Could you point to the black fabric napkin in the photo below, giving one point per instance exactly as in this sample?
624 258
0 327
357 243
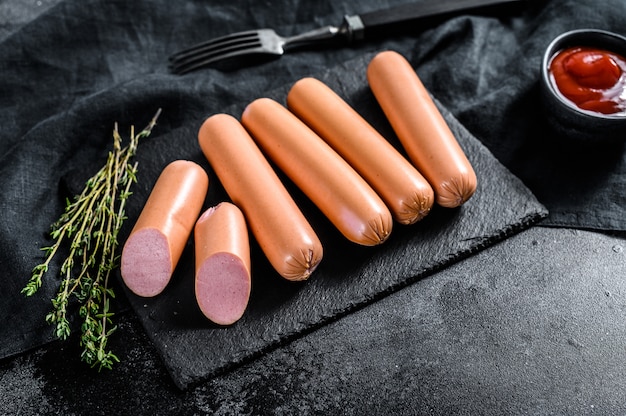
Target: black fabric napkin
66 77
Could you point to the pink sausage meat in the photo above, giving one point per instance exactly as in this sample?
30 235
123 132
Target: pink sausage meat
162 230
222 283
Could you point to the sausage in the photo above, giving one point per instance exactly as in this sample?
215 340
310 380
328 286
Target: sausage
157 240
407 194
222 281
327 179
421 128
283 233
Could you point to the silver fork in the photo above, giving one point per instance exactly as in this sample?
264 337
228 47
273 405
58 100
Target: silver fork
254 46
251 46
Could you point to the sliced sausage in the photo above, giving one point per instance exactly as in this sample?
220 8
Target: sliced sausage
421 128
407 194
222 248
162 230
283 233
327 179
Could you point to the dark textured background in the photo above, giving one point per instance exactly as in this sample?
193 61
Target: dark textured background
533 325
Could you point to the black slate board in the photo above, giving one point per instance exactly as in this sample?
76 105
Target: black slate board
350 276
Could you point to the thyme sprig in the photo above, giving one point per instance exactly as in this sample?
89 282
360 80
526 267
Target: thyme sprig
90 225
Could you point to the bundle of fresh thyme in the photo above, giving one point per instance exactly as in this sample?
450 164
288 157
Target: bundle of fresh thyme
90 225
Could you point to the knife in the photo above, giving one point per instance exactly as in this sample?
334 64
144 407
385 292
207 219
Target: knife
377 23
254 46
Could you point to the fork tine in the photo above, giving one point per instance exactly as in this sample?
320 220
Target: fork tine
215 49
208 55
253 46
214 43
225 61
222 58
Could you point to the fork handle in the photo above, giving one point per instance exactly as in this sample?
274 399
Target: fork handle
392 20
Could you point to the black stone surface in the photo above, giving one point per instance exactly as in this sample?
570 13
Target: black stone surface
350 275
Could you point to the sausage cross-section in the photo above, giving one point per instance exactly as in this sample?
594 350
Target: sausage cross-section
405 191
420 127
222 248
283 233
327 179
157 240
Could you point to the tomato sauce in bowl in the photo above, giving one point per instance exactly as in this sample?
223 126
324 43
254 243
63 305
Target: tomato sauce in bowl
593 79
583 87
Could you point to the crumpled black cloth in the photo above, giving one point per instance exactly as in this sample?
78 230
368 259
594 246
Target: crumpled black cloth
69 75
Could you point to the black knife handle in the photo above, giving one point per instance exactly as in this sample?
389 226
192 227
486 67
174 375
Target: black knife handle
395 19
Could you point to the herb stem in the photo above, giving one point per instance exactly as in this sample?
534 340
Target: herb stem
90 225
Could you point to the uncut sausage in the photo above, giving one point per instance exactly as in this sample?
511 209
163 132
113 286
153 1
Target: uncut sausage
328 180
283 233
222 248
421 128
407 194
162 230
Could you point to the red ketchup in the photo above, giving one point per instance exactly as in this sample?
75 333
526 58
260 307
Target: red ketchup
593 79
